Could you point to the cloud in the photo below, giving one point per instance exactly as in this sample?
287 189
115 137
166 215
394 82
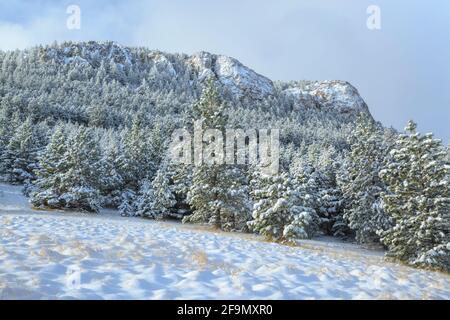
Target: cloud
13 36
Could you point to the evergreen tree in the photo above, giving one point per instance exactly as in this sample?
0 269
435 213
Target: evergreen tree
144 202
360 183
127 207
182 180
82 178
156 199
8 124
4 134
307 223
19 158
136 160
111 180
418 199
281 212
218 194
52 166
324 197
68 175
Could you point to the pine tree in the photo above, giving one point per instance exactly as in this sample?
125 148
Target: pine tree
81 180
360 183
4 135
136 160
307 223
127 207
68 175
156 199
218 195
19 158
52 166
8 125
418 199
157 145
144 201
182 180
324 197
282 212
111 180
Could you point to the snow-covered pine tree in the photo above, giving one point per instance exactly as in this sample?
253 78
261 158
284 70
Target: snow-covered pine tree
81 180
136 160
418 199
282 212
157 145
144 201
8 125
360 182
19 158
69 171
156 200
234 199
218 194
111 180
182 180
127 207
324 196
307 223
52 167
4 140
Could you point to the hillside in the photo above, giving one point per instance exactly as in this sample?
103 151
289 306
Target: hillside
157 75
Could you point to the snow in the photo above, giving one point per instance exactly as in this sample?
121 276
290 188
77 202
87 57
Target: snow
56 255
237 78
338 95
84 53
162 64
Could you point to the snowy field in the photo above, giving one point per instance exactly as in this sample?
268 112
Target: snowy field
54 255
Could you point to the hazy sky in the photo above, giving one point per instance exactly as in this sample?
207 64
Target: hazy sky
402 70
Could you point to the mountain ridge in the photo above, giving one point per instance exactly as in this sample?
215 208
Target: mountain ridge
240 81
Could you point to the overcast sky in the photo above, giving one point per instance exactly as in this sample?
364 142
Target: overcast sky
401 70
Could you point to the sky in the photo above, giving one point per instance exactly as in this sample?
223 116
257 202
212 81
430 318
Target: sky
402 70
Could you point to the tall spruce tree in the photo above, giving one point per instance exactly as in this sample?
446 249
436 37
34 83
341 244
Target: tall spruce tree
136 162
111 181
157 200
418 199
218 194
52 166
360 182
9 122
19 157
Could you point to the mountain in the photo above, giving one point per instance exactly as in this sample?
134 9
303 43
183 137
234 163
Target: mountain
239 81
108 87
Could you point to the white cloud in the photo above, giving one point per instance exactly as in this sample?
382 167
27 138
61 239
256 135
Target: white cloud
13 36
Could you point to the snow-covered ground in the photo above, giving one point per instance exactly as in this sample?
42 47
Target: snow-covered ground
55 255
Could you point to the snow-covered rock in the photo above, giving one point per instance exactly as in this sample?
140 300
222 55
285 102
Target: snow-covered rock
237 78
91 52
338 95
161 64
